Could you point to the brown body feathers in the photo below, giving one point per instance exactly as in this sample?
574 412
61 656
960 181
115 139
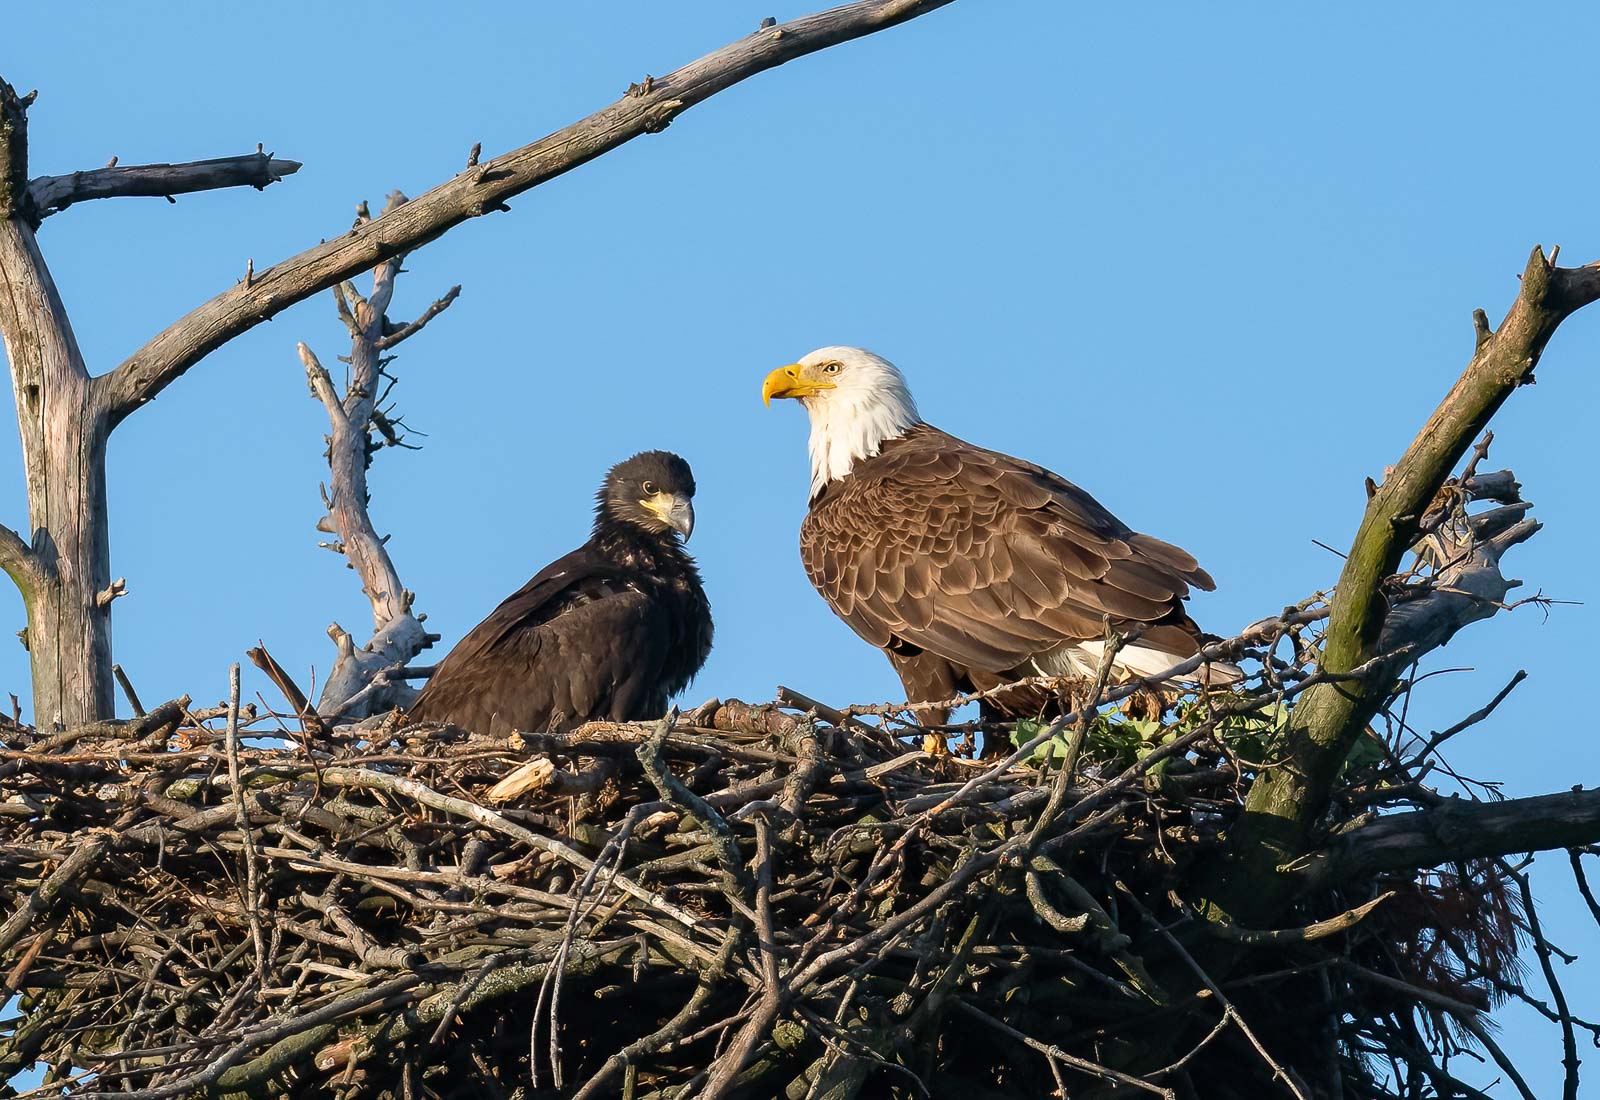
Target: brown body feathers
970 568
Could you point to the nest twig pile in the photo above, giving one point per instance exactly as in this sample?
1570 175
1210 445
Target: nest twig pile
758 901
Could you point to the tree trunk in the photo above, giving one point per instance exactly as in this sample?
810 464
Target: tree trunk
65 577
65 574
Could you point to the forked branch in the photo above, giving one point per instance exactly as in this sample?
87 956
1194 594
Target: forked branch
358 427
483 188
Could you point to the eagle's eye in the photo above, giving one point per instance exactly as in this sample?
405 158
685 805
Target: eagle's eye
830 368
649 488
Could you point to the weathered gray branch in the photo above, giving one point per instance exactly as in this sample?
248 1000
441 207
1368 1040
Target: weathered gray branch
405 332
354 687
1469 591
51 194
398 635
1468 587
646 108
1456 829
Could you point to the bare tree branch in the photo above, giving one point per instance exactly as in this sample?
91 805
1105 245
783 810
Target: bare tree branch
355 687
52 194
1456 829
405 332
1468 588
645 109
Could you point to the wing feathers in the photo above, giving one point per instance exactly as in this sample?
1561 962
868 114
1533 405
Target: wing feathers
986 561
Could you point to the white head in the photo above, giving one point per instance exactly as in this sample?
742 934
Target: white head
855 399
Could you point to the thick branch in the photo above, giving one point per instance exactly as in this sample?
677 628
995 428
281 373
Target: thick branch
19 561
484 188
1455 830
1288 799
50 194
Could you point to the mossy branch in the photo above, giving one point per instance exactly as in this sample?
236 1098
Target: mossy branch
1293 795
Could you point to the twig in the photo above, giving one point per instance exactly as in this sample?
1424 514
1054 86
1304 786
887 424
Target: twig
127 690
1252 937
252 873
285 683
85 856
1467 1016
1082 1065
1278 1072
1541 947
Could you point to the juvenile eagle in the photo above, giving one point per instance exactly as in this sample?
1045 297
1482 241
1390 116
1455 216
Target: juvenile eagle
611 631
967 567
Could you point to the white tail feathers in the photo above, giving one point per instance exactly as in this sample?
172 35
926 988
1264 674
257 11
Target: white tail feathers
1083 659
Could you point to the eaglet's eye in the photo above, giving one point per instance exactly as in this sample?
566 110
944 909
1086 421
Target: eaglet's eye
649 488
830 368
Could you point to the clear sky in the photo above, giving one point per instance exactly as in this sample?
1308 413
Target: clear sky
1214 264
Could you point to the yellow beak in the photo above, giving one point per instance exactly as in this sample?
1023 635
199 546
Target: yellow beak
786 382
673 509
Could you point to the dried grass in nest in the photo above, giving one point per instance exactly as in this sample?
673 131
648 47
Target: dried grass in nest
749 901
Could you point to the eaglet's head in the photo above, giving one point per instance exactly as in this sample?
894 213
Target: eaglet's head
653 490
855 399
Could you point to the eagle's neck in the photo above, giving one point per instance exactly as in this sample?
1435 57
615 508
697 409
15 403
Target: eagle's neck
846 428
631 547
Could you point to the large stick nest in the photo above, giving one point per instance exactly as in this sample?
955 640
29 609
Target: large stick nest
746 901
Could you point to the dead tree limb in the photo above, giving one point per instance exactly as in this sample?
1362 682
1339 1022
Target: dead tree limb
52 194
358 428
1456 829
646 108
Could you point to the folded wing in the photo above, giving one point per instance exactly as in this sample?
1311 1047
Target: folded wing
576 642
987 561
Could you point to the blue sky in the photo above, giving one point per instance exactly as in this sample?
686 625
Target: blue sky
1214 265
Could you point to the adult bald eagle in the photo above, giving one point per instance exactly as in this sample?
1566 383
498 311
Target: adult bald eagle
967 567
611 631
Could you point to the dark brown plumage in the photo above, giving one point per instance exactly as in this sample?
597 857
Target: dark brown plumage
967 567
610 631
